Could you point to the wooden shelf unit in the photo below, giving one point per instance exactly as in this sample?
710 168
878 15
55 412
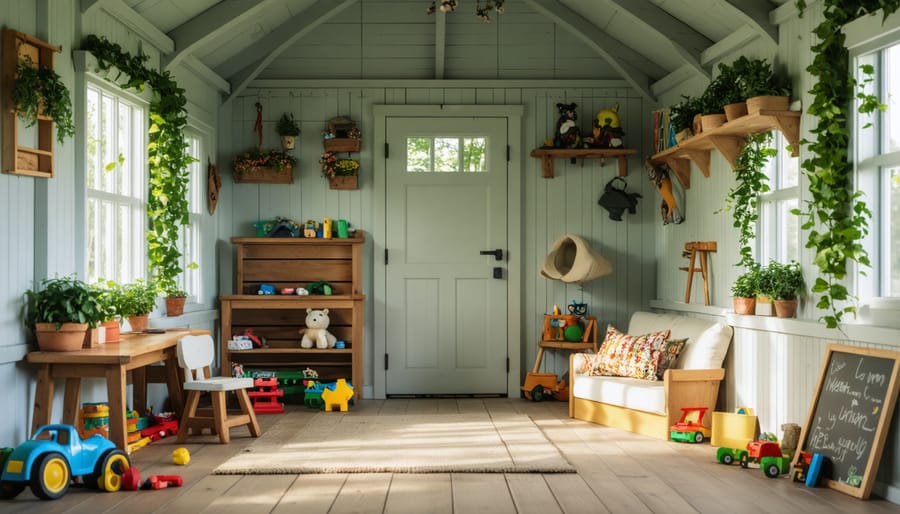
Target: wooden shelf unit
588 340
548 154
296 262
729 140
19 159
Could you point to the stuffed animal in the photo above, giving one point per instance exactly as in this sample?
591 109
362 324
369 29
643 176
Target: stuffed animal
660 177
607 131
791 438
316 331
567 134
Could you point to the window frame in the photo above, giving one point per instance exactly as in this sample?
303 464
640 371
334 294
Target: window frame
772 239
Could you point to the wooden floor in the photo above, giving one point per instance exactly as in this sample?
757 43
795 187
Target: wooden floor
617 472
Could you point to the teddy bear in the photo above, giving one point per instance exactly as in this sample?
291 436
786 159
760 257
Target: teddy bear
567 134
316 331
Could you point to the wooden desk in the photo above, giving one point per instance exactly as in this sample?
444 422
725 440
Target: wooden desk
112 362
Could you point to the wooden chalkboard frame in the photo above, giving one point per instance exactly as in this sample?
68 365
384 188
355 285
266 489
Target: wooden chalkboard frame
881 432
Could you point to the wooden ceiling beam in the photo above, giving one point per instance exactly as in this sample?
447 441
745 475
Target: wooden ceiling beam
756 14
241 69
216 23
686 41
613 51
440 43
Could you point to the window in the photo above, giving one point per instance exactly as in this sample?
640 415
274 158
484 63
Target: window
116 171
877 146
189 240
779 234
446 154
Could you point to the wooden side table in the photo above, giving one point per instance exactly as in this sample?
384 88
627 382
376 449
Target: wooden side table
588 339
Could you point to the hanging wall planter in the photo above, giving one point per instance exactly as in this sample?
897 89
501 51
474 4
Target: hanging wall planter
343 182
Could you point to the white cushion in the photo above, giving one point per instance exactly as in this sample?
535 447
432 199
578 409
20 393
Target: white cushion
219 384
707 340
631 393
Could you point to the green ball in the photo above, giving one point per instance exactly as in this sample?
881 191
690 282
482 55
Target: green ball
573 333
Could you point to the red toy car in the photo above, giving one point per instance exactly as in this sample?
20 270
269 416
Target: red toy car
164 427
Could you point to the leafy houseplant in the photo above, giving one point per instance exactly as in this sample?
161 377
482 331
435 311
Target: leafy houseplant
682 114
175 300
731 93
136 301
743 199
250 166
758 82
106 292
63 308
744 291
288 129
38 91
167 202
786 286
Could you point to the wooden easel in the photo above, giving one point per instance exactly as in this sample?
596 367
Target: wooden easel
691 250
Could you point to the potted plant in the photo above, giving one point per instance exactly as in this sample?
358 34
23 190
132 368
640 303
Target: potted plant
764 285
712 101
136 301
288 129
38 90
175 299
107 297
786 286
60 313
735 104
681 116
341 173
744 291
762 87
342 135
264 166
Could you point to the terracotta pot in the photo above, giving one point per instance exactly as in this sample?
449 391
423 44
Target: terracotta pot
69 338
175 305
735 110
711 121
786 308
744 305
288 142
767 103
113 331
139 323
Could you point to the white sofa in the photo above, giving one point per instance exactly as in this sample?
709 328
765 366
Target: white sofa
651 407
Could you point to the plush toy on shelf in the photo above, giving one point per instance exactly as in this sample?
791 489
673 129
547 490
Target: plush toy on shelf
316 331
567 134
608 132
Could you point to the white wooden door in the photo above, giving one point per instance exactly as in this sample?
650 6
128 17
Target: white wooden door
446 202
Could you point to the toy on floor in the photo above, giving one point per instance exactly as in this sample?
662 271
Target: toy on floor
56 454
765 453
162 481
266 396
163 426
339 396
181 456
131 479
539 386
690 429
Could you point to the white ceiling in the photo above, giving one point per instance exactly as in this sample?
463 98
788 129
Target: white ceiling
641 41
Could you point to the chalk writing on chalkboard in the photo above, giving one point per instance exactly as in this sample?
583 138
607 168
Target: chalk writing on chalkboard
846 422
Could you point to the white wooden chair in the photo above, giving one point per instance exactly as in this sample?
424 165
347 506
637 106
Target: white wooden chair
195 355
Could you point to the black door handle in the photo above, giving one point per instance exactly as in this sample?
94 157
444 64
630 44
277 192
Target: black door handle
498 253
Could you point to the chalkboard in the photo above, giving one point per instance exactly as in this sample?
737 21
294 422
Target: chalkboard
850 415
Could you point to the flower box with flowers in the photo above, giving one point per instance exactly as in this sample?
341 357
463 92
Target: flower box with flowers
342 136
264 166
341 173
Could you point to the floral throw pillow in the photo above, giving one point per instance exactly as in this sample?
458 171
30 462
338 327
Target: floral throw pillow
671 349
626 355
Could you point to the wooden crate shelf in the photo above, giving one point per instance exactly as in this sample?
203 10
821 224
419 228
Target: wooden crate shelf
19 159
547 155
293 262
729 140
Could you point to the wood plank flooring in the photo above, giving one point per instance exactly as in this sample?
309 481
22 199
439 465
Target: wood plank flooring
617 472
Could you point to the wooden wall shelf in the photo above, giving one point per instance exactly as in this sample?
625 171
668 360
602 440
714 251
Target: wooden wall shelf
548 154
729 140
19 159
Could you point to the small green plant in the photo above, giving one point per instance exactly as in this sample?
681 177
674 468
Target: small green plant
136 298
747 284
38 91
786 280
681 115
63 300
287 126
106 292
729 78
755 77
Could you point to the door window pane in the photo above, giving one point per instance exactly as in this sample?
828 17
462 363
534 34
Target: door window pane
446 154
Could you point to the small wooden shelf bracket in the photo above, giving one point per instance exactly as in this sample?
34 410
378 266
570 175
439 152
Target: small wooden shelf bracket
547 155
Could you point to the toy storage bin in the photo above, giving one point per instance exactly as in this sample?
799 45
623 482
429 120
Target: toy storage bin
731 430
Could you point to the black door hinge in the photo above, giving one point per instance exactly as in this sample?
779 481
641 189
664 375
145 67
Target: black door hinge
507 364
507 153
385 256
387 150
385 361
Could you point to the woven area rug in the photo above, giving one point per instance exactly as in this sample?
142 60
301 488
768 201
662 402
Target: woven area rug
440 443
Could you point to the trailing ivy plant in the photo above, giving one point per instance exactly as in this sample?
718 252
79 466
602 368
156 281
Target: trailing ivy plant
39 90
835 215
743 199
167 203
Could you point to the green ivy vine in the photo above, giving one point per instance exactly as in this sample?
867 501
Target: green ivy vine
743 199
835 215
167 203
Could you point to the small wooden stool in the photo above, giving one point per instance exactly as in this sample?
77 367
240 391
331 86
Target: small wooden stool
691 250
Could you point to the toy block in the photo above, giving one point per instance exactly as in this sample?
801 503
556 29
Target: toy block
339 396
265 400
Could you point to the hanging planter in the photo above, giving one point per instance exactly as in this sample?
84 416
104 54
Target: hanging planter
341 173
288 129
343 182
264 166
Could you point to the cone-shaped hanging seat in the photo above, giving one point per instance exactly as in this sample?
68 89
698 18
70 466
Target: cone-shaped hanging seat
573 260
